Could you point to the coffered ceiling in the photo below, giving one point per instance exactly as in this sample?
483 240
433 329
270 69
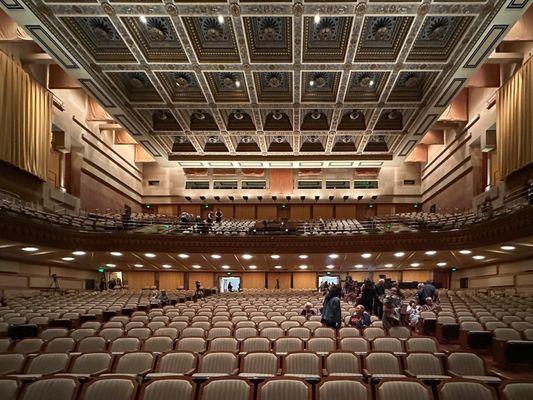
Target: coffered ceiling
244 80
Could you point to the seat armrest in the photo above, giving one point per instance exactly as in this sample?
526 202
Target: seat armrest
235 371
324 372
190 372
366 373
453 374
279 372
492 372
409 373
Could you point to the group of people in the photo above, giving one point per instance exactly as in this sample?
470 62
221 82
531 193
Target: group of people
198 224
387 304
159 297
111 284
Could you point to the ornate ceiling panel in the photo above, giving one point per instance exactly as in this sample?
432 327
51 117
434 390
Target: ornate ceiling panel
249 78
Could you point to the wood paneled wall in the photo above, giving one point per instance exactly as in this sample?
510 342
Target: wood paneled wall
139 279
171 280
253 280
284 280
304 280
416 276
207 279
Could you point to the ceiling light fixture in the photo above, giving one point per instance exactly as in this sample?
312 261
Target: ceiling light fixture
149 255
225 267
275 256
166 266
330 266
216 256
138 265
358 266
220 19
399 254
478 257
78 253
238 84
430 253
111 265
334 256
247 256
465 251
415 264
116 253
441 264
371 83
253 267
303 256
278 267
389 265
30 249
68 258
317 19
303 266
507 247
311 83
183 255
366 255
143 19
196 266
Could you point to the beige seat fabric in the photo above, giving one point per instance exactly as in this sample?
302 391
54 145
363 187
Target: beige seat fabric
302 365
255 344
172 333
28 346
465 390
78 334
51 389
9 389
91 344
517 391
224 344
323 331
400 332
244 333
110 334
284 389
342 389
110 388
373 332
272 333
343 364
321 345
355 344
91 364
51 333
193 332
137 363
348 332
217 364
383 365
421 345
158 344
392 390
11 363
46 364
123 345
261 364
175 363
506 334
140 333
60 345
387 344
425 366
169 389
286 345
469 365
194 344
230 388
218 333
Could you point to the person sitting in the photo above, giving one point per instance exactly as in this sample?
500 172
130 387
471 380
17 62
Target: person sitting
430 305
308 310
391 316
360 319
163 297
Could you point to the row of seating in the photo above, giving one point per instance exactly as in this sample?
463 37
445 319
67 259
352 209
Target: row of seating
257 365
237 388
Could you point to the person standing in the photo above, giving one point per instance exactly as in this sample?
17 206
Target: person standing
230 287
380 294
331 310
218 216
368 295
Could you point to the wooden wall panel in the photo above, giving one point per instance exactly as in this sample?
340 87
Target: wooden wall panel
385 209
169 209
345 211
416 276
245 211
267 211
284 280
359 276
206 279
253 280
227 210
139 279
304 280
300 212
193 209
170 280
392 275
323 211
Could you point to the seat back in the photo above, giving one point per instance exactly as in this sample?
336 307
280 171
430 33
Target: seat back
218 362
387 344
11 363
403 389
177 388
336 389
342 362
288 344
91 363
224 344
284 389
110 388
424 364
518 390
382 363
177 362
321 345
466 364
51 389
463 389
227 388
47 364
91 344
355 344
260 363
421 345
139 362
506 334
194 344
373 332
348 332
255 344
158 344
60 345
301 363
9 388
400 332
125 344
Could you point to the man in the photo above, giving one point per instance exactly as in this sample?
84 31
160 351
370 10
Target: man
391 316
428 290
430 305
230 287
380 294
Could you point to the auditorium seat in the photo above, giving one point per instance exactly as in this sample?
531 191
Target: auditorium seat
158 344
91 344
378 365
255 344
469 366
234 388
116 388
454 389
213 364
124 344
285 345
391 389
11 363
284 388
425 366
51 388
259 365
305 365
134 363
9 387
516 390
175 363
342 388
90 364
343 364
355 344
175 388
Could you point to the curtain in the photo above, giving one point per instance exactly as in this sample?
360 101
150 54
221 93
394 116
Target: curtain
9 30
514 123
25 119
281 181
96 113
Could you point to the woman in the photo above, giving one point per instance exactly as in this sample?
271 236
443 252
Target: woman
331 310
368 295
360 319
308 310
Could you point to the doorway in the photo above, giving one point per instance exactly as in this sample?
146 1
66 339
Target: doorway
230 282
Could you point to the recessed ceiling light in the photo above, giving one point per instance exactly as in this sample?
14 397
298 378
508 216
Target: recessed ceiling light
334 256
30 249
253 267
507 247
371 83
478 257
399 254
216 256
143 19
78 253
68 258
275 256
149 255
166 266
430 253
330 266
116 253
303 256
183 255
441 264
225 267
389 265
220 19
317 19
278 267
366 255
238 84
415 264
111 265
196 266
247 256
303 266
465 251
358 266
138 265
311 83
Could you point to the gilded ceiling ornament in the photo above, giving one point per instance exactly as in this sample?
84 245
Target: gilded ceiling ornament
360 9
108 8
235 9
298 9
171 9
424 8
